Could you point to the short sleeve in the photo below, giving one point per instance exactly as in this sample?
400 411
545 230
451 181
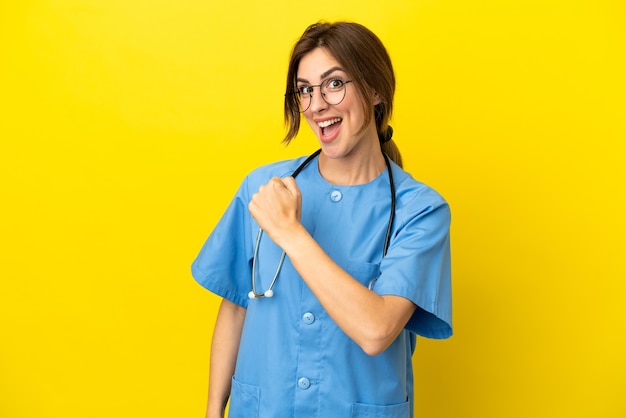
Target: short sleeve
417 265
223 264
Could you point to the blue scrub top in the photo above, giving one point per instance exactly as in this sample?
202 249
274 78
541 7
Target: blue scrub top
293 360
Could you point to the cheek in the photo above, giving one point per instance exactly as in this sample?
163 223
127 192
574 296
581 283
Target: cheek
353 116
351 108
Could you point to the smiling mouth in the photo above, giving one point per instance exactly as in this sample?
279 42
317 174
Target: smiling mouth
328 124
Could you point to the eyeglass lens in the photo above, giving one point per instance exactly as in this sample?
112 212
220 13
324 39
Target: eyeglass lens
333 92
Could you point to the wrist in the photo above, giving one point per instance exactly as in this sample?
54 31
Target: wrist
295 240
215 412
216 408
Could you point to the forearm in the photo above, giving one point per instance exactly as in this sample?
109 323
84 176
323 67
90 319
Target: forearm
224 347
371 320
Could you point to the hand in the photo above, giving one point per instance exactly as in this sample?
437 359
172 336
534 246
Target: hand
277 207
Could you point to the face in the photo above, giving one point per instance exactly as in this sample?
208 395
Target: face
338 127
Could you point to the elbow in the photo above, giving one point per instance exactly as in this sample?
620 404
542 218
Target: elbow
376 342
381 329
373 349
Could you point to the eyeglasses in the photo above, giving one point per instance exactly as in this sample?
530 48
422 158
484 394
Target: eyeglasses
333 92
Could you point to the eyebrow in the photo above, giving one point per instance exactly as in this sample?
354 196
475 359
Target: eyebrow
324 74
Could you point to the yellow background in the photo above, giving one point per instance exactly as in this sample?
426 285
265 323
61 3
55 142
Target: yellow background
126 126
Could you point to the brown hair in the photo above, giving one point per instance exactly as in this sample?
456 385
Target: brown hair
364 57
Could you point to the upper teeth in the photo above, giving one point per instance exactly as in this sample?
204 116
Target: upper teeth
327 123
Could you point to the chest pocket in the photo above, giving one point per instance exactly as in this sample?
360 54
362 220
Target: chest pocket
402 410
365 273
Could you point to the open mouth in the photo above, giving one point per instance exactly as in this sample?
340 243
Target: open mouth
330 126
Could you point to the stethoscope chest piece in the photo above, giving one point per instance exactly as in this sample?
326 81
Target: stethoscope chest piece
267 294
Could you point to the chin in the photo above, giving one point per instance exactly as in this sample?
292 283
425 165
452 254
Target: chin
334 151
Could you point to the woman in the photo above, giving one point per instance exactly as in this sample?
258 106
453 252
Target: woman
328 330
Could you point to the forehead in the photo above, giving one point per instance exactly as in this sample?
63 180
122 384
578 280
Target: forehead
314 64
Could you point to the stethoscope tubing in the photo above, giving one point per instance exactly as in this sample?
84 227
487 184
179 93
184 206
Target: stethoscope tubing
253 294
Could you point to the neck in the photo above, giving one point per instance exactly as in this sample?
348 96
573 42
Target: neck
361 166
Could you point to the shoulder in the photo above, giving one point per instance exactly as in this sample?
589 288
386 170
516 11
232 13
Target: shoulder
410 191
415 198
264 173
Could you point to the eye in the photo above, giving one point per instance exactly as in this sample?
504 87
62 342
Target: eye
302 90
335 84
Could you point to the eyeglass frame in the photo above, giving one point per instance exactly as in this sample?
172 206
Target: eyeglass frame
297 93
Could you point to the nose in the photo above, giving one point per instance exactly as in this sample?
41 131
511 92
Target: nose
317 101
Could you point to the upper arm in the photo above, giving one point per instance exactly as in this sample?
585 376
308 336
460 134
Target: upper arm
417 267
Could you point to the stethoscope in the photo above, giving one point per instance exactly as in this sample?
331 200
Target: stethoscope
253 294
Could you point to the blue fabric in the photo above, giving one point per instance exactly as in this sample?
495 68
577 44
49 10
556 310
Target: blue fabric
293 359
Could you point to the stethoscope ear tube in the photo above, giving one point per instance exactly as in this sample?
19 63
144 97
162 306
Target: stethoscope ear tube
392 212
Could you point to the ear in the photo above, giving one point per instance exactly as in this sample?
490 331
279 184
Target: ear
376 99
